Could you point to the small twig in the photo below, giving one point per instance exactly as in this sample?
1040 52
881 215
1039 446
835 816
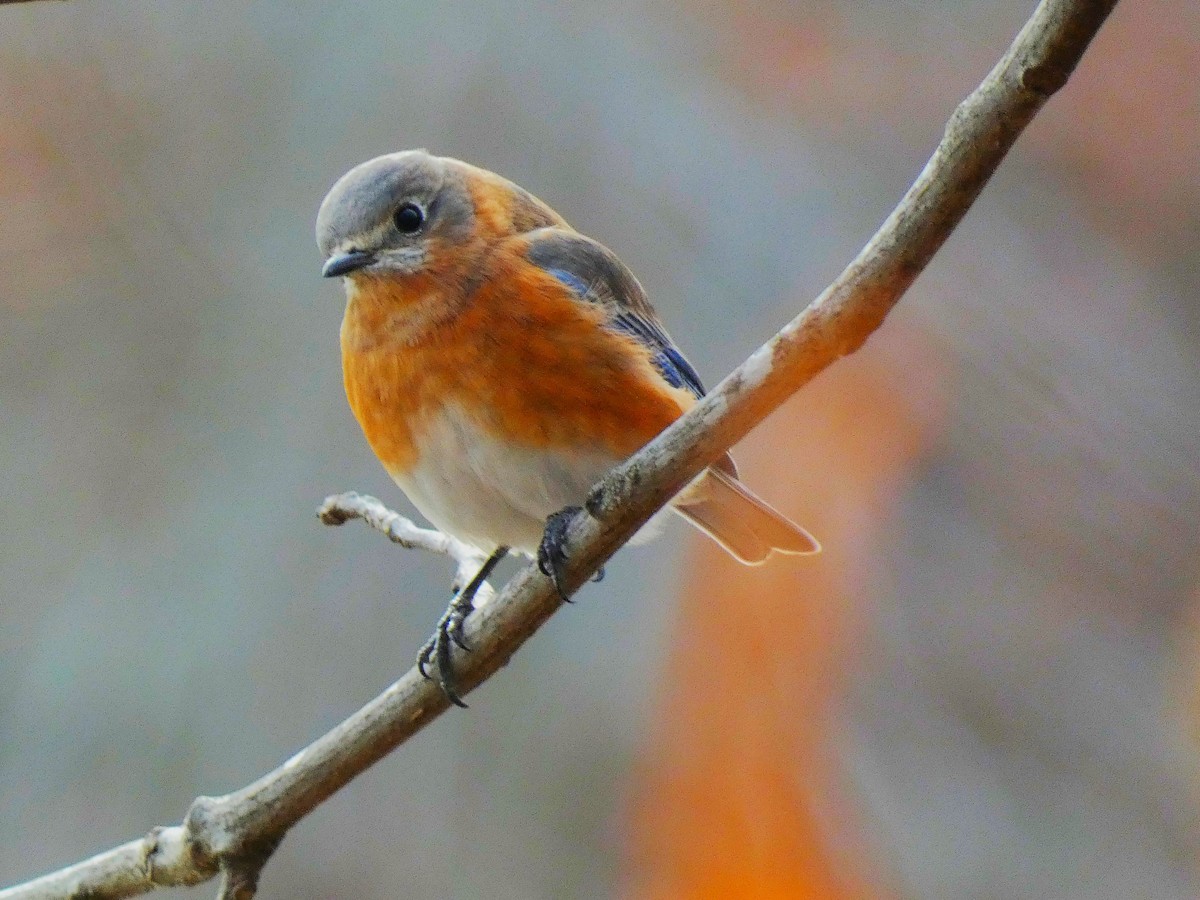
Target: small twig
341 508
240 874
226 832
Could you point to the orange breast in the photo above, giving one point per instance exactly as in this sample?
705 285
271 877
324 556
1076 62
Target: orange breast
527 363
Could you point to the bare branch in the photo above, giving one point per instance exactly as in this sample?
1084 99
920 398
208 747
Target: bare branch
163 857
237 832
341 508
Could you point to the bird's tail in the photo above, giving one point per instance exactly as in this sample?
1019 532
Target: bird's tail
732 515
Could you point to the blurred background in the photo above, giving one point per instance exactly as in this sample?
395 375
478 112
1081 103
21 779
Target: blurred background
985 687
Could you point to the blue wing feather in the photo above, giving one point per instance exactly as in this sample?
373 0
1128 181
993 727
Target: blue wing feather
571 280
595 275
671 364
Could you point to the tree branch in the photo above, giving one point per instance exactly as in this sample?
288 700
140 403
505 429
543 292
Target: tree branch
236 833
341 508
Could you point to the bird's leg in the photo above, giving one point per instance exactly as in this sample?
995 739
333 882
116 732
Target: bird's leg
450 630
552 552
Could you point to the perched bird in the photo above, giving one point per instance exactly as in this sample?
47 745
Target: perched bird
500 363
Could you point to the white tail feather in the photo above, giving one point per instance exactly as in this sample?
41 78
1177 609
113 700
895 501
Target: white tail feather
741 522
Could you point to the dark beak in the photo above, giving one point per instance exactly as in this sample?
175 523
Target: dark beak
345 263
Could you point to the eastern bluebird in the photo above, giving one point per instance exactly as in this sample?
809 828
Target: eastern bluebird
500 363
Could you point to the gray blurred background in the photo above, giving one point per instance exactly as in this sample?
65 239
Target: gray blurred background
1017 717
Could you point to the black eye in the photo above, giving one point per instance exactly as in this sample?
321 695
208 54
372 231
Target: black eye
408 218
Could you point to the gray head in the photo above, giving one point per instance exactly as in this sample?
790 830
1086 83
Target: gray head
396 214
382 215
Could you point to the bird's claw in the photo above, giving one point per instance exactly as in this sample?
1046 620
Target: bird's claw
437 649
450 631
552 552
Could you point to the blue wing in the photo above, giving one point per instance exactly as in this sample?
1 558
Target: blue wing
595 275
671 364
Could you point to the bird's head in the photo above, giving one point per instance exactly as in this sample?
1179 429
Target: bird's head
382 216
408 213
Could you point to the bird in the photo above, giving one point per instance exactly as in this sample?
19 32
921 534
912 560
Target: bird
500 363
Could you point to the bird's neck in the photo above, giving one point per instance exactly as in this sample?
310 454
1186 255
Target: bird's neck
382 312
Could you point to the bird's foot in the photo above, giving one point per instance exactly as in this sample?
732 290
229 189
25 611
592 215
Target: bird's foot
437 649
450 631
552 553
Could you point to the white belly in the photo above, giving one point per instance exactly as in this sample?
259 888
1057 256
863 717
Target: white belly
490 494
